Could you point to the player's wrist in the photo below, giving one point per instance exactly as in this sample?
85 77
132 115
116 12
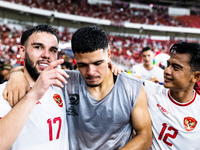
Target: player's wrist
31 96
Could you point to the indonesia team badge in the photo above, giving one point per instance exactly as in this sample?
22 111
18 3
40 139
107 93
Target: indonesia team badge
58 100
189 123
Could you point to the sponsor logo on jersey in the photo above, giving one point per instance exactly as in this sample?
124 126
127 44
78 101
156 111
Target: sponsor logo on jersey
162 109
189 123
74 101
58 100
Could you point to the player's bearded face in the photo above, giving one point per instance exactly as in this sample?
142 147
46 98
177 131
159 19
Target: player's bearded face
31 68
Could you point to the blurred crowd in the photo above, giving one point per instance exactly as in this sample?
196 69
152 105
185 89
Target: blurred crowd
116 12
125 50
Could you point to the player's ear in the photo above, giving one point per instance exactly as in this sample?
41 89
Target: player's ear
22 51
196 76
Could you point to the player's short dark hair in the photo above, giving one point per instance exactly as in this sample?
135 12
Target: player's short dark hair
191 48
146 49
89 39
39 28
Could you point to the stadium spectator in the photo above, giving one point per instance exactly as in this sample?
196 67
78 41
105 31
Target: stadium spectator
66 65
30 123
4 71
147 70
117 12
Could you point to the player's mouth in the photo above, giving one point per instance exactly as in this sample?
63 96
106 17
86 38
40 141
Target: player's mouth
166 79
91 78
43 65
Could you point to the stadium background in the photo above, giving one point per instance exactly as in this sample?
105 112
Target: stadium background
130 24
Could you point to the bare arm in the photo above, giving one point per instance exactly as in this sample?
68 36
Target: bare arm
16 87
14 70
12 124
141 122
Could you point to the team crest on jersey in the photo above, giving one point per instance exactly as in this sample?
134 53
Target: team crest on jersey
189 123
58 100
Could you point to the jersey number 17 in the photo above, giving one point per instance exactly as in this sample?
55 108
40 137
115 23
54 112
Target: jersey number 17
55 120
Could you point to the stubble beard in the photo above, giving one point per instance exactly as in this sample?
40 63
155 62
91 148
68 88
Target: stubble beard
32 70
92 85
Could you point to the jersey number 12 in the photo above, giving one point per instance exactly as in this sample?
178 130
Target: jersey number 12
166 135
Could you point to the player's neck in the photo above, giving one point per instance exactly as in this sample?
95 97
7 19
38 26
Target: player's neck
104 88
148 66
29 78
182 96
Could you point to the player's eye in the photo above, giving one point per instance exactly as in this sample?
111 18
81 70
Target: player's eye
81 65
53 50
38 47
97 63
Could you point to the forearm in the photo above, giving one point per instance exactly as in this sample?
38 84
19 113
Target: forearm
12 124
139 142
13 70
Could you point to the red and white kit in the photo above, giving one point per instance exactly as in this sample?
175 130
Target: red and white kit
175 126
46 127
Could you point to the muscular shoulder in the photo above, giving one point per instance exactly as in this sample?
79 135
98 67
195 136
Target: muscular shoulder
129 83
129 78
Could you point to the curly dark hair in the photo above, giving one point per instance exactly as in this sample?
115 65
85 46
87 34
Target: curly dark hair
89 39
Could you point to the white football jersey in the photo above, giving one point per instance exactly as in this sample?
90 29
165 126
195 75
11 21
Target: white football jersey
139 71
46 127
175 126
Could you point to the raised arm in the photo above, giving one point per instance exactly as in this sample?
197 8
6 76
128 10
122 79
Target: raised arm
141 122
12 124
